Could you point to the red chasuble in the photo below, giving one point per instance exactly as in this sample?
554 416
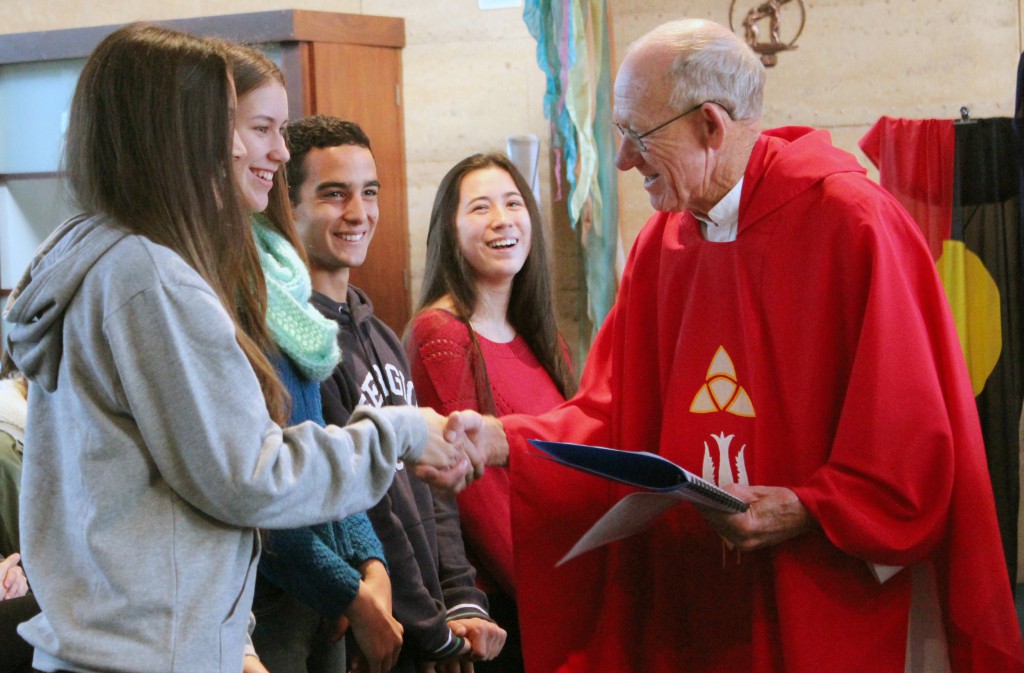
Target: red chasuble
815 352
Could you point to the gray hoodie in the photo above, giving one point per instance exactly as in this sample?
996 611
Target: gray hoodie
150 458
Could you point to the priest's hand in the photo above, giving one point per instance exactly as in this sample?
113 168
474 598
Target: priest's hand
775 515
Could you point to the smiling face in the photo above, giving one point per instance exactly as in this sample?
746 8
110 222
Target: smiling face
259 121
337 210
493 226
675 164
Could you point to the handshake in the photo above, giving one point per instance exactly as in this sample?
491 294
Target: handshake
459 447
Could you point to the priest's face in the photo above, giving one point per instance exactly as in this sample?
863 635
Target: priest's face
673 160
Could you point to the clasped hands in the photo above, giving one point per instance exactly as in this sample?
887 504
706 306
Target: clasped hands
483 641
459 447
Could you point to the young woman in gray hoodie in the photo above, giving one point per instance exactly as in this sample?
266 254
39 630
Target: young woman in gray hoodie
153 442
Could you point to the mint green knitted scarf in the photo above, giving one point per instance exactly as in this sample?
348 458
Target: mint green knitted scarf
298 329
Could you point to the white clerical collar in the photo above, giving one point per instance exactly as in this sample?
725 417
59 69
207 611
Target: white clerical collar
722 222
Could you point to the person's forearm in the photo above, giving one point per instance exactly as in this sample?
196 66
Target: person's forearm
375 575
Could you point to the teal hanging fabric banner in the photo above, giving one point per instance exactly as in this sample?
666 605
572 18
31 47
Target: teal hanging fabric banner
574 53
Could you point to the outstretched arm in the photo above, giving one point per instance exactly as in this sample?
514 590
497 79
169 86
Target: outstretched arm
250 472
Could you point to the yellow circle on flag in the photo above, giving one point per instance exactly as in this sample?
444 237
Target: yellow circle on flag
974 298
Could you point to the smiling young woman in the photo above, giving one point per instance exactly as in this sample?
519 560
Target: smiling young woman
315 581
485 338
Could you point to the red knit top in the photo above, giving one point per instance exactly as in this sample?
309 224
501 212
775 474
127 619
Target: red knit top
439 350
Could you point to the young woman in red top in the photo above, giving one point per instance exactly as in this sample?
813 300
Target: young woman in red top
485 338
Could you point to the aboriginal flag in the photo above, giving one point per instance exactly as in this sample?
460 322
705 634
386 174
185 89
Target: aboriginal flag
962 184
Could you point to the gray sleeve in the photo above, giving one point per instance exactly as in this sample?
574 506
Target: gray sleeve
202 417
250 649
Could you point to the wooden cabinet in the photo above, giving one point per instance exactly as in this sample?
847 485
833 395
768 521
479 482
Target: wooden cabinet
335 70
345 65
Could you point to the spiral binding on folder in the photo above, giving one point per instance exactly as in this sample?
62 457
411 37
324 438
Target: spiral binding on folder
712 492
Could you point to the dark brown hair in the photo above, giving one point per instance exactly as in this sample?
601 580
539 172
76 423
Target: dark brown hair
530 309
149 144
319 132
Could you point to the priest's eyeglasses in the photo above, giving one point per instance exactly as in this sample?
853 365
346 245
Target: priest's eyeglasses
638 138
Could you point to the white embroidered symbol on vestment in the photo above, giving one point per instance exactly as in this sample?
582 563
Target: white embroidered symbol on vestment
725 466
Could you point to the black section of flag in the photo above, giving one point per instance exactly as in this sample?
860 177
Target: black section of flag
987 218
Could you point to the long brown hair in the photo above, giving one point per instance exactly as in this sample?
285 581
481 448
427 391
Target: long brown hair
149 144
530 309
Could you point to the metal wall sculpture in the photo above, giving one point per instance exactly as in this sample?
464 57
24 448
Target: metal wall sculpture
784 20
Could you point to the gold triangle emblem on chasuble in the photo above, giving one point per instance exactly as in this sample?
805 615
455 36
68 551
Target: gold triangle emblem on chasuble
721 390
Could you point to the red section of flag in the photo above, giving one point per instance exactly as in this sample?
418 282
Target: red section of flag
914 158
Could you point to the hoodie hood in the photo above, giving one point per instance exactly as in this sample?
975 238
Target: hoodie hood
37 306
804 155
360 305
357 308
